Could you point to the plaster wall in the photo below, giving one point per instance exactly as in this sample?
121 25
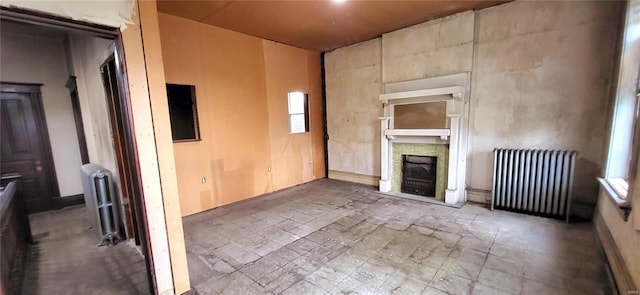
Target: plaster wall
353 84
241 93
88 54
435 48
540 79
35 55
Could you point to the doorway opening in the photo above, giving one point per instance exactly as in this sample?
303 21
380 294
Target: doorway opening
65 103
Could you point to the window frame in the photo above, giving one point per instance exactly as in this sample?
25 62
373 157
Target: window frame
194 109
305 112
620 171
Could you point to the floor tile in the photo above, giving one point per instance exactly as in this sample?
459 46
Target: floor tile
235 255
534 288
399 283
462 269
500 281
326 278
451 283
480 289
65 254
304 287
332 237
506 265
259 268
235 283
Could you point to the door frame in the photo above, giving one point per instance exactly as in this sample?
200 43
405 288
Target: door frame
132 161
119 121
33 89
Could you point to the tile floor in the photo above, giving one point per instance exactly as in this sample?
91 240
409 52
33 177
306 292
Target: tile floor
332 237
65 258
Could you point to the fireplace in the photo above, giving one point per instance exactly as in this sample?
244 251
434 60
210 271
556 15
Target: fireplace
446 141
419 175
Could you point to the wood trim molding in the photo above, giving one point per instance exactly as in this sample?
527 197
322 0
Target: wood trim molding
33 89
62 202
354 177
77 118
621 281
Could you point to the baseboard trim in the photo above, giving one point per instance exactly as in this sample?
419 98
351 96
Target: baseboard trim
482 196
62 202
355 177
622 282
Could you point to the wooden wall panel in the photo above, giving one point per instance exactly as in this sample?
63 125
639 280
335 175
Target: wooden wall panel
235 88
241 92
291 154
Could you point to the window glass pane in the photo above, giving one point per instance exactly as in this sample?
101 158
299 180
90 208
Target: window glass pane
297 123
296 102
620 146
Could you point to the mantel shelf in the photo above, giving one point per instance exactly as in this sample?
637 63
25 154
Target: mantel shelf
442 133
425 95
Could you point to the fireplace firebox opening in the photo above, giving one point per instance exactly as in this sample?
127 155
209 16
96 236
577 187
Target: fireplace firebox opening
419 175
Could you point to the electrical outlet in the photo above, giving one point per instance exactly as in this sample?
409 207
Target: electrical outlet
204 180
269 168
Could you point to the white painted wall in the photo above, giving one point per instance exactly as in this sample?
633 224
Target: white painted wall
540 79
89 53
34 55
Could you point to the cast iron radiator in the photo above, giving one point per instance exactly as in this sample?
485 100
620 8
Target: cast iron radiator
102 203
537 182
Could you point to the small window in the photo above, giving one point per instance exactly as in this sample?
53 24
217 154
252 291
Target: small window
298 112
183 112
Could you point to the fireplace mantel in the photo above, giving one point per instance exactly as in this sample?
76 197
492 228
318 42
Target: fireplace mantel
450 89
392 134
424 95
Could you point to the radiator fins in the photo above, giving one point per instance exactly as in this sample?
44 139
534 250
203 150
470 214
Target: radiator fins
536 182
102 203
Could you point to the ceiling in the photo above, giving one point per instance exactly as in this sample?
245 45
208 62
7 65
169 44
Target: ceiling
313 24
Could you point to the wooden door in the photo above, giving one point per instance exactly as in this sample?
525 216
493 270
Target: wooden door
25 144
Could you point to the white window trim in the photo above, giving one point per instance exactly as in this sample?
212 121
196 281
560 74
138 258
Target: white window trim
304 112
618 177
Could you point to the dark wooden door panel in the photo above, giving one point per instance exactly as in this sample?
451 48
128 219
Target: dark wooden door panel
25 143
26 168
17 132
14 127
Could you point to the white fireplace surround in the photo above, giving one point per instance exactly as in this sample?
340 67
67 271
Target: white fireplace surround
451 89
